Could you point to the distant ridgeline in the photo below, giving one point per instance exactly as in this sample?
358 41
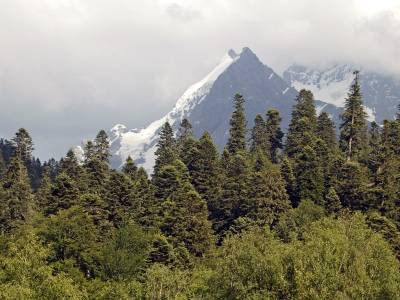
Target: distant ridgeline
309 216
207 103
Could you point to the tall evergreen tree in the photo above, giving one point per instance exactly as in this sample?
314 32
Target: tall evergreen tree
290 181
17 204
274 133
353 130
89 151
165 153
235 184
326 131
237 131
205 173
375 153
259 137
303 125
101 146
70 165
130 169
64 194
267 197
23 144
184 215
332 201
309 176
43 194
2 165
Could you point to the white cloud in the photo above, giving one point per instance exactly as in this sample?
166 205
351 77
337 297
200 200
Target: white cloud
70 67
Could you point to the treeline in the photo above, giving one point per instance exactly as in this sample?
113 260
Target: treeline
308 216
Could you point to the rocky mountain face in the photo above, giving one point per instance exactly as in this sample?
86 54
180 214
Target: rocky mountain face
208 103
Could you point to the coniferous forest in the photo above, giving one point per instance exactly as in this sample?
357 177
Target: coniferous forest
312 213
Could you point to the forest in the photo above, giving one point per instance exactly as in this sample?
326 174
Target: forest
312 213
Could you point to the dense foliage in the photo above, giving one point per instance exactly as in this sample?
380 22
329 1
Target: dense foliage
306 216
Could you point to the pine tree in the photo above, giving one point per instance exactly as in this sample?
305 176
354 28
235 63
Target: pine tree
130 169
169 178
375 155
303 125
70 165
274 133
89 151
259 136
353 182
165 153
326 131
235 184
309 176
43 194
17 204
290 181
237 131
267 197
144 194
185 131
101 146
2 165
119 197
184 215
353 130
23 144
332 201
64 194
205 173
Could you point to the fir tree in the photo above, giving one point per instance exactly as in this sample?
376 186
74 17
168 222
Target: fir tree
130 169
89 151
64 194
23 144
17 204
302 127
290 181
375 155
185 131
353 130
353 182
101 146
43 194
165 153
309 176
2 165
184 215
237 131
274 133
205 173
235 183
332 201
70 165
267 197
259 137
326 131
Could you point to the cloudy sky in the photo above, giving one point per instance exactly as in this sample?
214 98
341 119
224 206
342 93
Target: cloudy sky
71 67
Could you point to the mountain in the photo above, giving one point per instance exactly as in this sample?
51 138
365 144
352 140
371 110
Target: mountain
208 106
381 93
208 103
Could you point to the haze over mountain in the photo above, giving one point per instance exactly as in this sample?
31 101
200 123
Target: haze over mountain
208 103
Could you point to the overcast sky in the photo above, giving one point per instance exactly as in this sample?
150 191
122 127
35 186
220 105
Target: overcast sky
71 67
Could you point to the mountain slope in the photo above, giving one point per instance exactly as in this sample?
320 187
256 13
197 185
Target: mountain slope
208 106
381 94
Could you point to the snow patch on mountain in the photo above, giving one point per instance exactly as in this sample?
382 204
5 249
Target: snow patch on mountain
330 86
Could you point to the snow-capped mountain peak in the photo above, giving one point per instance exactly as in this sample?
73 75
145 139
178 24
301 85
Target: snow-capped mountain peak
140 144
